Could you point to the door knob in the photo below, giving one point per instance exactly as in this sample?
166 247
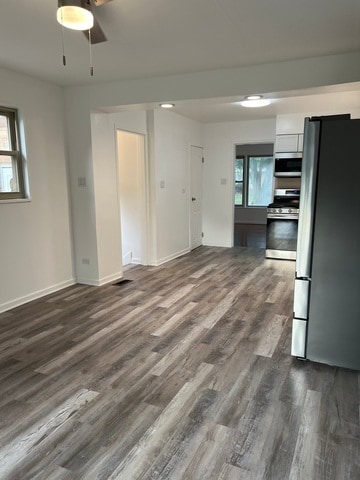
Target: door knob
193 199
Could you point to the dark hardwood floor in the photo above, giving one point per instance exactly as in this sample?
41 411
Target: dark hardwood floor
182 373
249 235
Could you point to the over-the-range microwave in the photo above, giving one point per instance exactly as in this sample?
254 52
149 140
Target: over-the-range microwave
288 164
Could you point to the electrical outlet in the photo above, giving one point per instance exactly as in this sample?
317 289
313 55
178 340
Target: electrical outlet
85 261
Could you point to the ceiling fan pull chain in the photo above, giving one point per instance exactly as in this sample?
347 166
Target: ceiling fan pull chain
90 51
63 44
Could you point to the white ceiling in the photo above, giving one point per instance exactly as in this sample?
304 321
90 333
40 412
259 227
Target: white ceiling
317 101
166 37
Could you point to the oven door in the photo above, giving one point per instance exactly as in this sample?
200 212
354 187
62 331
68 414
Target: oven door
281 236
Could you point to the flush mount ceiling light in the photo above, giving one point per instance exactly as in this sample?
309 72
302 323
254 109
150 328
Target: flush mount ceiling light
255 101
167 105
75 14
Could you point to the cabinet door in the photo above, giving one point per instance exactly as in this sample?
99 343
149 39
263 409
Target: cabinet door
287 143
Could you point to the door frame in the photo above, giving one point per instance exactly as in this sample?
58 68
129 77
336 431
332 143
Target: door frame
145 197
190 201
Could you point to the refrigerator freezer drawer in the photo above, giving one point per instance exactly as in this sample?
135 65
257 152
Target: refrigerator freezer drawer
298 339
301 298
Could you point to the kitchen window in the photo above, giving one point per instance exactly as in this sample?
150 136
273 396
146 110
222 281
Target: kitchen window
239 181
11 161
253 176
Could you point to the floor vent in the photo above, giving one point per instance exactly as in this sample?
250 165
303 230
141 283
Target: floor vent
122 282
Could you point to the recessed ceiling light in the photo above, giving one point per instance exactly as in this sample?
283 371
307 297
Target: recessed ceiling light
253 97
255 103
167 105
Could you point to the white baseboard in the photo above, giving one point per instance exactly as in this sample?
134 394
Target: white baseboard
137 261
160 261
100 281
209 244
127 258
35 295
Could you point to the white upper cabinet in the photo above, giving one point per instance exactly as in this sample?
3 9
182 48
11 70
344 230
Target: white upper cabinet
289 143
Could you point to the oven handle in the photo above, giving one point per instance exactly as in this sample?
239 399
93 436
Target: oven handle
283 216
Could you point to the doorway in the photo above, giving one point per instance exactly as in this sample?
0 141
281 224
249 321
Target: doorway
253 191
132 194
196 163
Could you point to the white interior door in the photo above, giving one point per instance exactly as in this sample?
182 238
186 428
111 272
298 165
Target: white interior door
196 164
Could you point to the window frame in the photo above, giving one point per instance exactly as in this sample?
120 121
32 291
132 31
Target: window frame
14 153
242 182
246 151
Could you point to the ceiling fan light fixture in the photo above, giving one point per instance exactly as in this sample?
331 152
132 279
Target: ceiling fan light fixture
74 15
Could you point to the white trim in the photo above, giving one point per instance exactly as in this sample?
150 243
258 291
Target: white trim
16 200
88 281
209 244
35 295
189 189
144 200
159 262
101 281
137 261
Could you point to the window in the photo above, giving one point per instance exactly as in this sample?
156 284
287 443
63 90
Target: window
260 178
239 180
11 163
253 175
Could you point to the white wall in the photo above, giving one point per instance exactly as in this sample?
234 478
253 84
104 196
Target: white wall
102 195
35 236
169 208
173 136
218 199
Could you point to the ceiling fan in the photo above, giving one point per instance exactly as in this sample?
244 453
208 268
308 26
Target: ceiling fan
79 15
97 34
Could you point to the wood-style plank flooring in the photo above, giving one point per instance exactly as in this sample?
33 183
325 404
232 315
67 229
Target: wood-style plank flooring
182 373
249 235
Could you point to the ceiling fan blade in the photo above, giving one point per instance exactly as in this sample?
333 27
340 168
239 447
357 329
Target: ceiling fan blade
97 35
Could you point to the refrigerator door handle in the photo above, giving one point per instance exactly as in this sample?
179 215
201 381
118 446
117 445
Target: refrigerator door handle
307 199
300 320
298 339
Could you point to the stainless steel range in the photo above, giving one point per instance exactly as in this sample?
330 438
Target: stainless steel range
282 224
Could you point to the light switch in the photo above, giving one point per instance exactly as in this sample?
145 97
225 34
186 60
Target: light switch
81 181
223 181
162 183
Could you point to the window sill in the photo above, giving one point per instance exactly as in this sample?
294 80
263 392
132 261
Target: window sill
15 200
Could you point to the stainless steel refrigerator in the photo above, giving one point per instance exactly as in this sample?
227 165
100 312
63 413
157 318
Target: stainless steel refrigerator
326 322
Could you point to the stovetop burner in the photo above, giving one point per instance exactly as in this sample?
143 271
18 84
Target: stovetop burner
284 203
